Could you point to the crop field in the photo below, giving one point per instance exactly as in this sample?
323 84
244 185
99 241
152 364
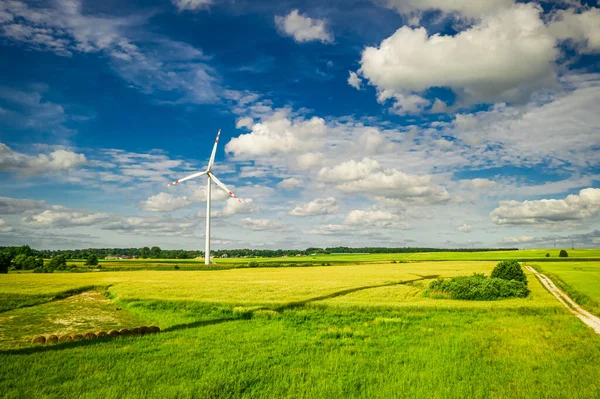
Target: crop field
363 330
535 255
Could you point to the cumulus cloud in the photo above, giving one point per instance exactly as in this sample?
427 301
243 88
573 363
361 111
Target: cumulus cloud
191 4
410 61
4 227
261 224
572 208
464 228
235 207
15 206
309 160
369 177
164 202
354 80
303 28
279 134
468 8
321 206
59 216
517 240
152 225
290 184
478 184
31 165
377 218
583 29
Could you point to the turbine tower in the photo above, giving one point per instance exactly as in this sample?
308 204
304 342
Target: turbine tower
209 176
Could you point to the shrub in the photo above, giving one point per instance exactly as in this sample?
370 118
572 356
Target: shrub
5 259
479 288
509 270
547 255
176 267
57 262
563 254
253 264
92 260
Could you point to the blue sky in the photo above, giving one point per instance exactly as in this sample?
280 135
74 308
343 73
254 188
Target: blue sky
375 122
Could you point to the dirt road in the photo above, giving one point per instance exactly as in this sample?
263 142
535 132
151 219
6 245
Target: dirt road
563 298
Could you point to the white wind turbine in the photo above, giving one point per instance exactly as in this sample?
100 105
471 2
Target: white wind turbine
210 176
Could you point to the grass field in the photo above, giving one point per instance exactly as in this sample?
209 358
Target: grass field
537 255
339 331
580 280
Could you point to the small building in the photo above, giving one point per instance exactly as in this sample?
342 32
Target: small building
224 256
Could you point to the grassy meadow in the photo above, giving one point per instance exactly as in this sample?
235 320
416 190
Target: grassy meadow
302 332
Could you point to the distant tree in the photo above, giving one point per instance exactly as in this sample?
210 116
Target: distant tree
92 260
57 262
19 262
145 252
5 258
24 250
155 252
31 262
547 255
563 254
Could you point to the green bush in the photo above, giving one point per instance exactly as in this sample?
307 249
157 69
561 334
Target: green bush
57 262
92 260
479 288
563 254
547 255
253 264
509 270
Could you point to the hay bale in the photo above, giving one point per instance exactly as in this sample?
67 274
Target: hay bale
136 331
113 333
124 331
39 340
101 334
52 339
154 329
144 330
89 336
77 337
65 338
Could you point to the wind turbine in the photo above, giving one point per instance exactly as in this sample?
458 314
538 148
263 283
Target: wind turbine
210 176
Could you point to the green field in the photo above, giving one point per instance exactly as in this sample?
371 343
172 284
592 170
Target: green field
337 331
534 255
580 280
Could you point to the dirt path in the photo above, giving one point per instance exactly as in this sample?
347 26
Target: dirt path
568 303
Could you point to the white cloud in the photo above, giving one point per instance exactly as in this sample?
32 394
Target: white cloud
349 170
411 61
468 8
309 160
261 224
235 207
279 134
369 177
377 218
572 208
464 228
30 165
14 206
152 225
303 28
478 184
354 80
581 28
59 216
149 62
4 227
321 206
517 240
290 184
164 202
191 4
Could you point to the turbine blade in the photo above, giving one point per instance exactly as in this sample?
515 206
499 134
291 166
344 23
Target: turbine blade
214 151
187 178
224 187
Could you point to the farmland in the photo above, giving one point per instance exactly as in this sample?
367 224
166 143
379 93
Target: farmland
350 330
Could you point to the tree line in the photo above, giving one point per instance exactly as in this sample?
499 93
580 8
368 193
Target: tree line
26 258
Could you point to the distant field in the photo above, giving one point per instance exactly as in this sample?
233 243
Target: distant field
339 331
581 280
538 255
